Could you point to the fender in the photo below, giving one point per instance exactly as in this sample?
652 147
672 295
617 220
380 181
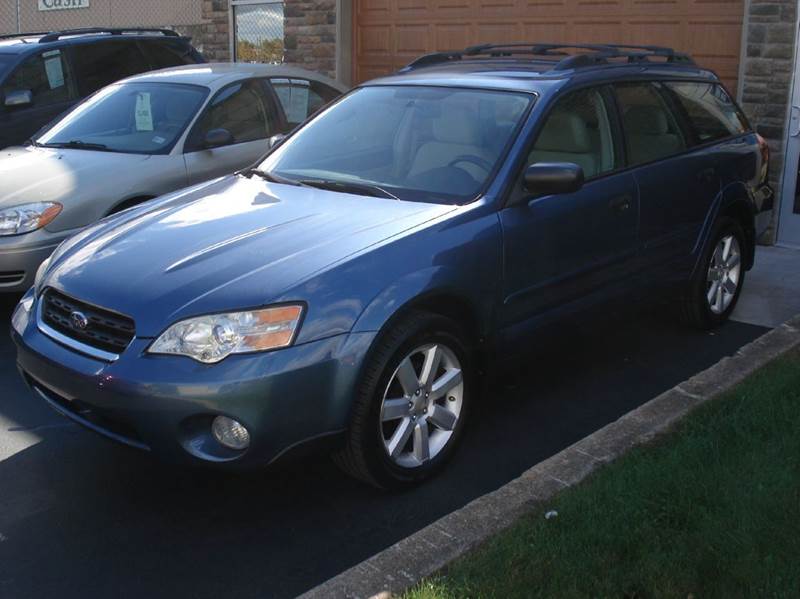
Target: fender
734 197
419 286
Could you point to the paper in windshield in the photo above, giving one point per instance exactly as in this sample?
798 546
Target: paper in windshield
144 112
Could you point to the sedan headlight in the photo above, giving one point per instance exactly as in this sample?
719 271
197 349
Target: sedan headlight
28 217
212 338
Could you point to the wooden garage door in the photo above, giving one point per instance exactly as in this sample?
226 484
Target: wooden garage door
388 34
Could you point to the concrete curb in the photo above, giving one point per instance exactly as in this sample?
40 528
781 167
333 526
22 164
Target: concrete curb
405 563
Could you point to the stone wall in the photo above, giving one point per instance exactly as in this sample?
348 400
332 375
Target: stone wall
768 61
310 35
213 38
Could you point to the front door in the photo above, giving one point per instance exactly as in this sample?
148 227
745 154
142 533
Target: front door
562 248
789 217
245 111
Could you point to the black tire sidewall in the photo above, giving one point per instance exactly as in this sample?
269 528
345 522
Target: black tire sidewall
425 329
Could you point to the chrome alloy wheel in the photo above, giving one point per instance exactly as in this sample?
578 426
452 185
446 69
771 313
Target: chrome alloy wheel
421 405
724 273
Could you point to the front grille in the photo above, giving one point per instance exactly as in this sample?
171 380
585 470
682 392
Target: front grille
12 278
103 329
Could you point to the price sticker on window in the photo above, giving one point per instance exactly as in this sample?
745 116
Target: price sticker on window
144 112
53 69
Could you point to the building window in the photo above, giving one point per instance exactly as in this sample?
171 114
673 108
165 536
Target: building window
258 31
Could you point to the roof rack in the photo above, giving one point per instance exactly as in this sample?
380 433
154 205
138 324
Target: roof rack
57 35
595 54
9 36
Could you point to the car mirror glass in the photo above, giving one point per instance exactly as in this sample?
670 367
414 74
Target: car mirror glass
216 138
19 97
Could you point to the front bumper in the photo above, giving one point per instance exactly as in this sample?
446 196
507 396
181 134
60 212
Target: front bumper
286 398
21 255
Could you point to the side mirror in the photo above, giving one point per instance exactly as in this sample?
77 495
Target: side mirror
19 97
275 140
217 138
545 178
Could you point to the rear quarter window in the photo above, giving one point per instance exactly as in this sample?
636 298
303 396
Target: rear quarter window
709 109
162 55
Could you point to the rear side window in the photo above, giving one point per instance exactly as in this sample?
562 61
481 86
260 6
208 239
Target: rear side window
162 55
577 130
651 129
45 75
97 65
709 109
301 98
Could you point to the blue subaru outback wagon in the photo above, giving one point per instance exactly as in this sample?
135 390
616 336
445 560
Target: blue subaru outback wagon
345 290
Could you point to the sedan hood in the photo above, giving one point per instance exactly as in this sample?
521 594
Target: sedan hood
35 174
228 244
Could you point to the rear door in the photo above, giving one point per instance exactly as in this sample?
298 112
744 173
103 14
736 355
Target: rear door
676 185
47 76
246 111
561 248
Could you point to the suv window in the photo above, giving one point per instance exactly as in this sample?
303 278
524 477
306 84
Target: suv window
709 109
46 75
99 64
577 130
242 109
301 98
651 129
161 55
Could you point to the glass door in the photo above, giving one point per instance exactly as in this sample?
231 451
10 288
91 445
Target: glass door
789 217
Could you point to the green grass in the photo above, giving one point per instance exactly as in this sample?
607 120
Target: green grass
712 510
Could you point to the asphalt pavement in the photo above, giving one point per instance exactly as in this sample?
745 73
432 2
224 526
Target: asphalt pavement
82 517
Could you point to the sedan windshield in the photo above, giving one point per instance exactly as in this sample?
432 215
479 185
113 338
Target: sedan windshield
429 144
137 118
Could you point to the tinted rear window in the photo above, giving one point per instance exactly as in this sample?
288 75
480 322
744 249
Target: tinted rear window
162 55
97 65
710 110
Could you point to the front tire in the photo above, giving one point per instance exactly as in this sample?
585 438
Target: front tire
716 285
411 404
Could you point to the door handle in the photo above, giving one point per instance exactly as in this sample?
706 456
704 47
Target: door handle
706 175
794 121
620 204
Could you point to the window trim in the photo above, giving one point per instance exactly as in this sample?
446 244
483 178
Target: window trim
191 144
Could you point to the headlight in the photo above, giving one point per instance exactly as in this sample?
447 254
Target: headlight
211 338
40 274
27 217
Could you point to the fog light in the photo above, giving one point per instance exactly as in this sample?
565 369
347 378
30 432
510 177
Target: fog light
230 433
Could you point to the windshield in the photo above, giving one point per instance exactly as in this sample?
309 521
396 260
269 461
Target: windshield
6 62
429 144
138 118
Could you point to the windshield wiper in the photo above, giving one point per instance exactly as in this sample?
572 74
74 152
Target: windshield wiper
271 177
367 189
75 144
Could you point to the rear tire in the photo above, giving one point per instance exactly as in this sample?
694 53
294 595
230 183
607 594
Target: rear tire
717 283
411 403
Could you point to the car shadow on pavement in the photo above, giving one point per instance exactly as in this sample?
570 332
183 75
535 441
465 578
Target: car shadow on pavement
81 517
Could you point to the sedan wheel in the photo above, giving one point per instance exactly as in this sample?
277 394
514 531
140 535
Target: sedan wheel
421 405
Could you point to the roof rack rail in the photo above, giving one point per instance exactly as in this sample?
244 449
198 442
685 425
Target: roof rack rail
57 35
595 54
8 36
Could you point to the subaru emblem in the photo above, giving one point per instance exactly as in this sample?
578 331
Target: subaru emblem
78 320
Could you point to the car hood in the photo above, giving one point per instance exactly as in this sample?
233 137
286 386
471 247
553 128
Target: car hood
228 244
37 174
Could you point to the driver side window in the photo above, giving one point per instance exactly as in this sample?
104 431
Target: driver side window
577 130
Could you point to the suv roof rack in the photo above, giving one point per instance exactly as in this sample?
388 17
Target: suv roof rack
593 54
57 35
10 36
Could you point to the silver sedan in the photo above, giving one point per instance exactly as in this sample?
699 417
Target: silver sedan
139 138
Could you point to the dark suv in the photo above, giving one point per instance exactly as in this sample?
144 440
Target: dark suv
351 286
44 74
